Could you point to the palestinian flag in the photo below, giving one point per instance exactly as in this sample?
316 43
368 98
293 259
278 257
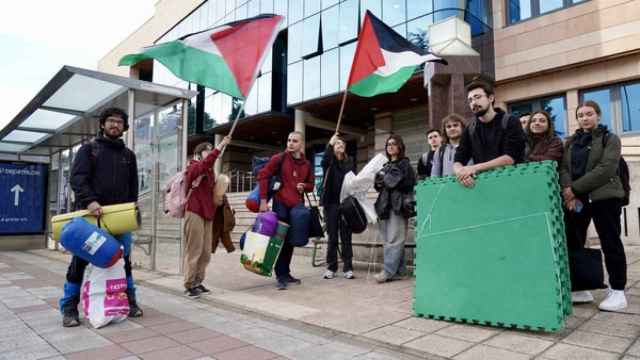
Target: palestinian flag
384 60
226 58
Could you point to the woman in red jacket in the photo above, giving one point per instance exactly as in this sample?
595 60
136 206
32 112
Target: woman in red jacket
199 215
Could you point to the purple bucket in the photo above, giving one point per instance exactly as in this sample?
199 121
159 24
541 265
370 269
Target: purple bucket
266 223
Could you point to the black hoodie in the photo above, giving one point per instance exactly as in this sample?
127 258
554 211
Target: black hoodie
104 170
489 141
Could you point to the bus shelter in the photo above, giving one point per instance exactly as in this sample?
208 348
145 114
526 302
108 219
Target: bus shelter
50 129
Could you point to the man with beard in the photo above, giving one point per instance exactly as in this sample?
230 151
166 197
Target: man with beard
443 161
104 172
492 139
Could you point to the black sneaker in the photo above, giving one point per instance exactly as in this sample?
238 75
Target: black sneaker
193 293
134 310
292 280
70 319
70 315
203 289
281 284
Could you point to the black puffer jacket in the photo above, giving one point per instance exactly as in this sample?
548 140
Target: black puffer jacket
395 184
104 170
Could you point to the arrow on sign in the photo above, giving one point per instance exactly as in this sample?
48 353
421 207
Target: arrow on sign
17 189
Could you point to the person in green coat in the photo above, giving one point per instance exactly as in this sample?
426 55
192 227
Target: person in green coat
591 189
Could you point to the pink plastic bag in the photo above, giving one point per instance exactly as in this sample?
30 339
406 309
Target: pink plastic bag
104 296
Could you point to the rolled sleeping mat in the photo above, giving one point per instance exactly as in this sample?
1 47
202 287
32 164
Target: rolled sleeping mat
116 219
89 242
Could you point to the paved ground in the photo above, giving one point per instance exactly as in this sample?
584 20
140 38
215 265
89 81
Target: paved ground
312 321
173 327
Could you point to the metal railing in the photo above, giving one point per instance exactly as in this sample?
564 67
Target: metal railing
241 181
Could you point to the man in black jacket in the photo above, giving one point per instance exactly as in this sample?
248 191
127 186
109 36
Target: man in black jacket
425 163
104 172
493 139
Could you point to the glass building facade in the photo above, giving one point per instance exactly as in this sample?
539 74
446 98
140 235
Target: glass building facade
314 53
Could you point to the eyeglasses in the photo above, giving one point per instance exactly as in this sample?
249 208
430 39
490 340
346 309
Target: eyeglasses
392 143
475 98
114 120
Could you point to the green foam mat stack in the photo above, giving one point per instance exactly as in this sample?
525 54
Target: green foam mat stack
494 254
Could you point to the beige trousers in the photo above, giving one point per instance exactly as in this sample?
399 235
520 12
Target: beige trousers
198 234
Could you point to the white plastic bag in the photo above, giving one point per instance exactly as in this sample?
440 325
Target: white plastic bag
359 185
104 297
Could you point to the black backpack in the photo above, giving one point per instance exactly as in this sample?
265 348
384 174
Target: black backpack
623 173
353 215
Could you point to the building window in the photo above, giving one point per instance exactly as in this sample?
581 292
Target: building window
619 106
519 10
311 7
554 105
348 20
630 100
311 78
311 36
330 70
294 83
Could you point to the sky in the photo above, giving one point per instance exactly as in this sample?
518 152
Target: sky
38 37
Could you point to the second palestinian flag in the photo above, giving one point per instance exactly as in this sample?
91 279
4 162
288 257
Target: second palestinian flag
384 60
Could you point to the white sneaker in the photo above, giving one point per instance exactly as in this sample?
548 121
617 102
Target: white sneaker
329 274
348 275
615 301
581 297
382 277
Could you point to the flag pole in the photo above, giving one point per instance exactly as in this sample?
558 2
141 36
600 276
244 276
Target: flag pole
233 126
344 100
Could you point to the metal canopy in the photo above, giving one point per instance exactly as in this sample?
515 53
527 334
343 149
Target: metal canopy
65 111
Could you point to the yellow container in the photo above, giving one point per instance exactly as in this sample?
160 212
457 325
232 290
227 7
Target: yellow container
116 219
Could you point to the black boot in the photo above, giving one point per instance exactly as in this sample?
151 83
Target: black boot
134 310
70 315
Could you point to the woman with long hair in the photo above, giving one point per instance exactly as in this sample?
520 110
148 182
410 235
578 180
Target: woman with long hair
335 165
542 141
592 190
394 206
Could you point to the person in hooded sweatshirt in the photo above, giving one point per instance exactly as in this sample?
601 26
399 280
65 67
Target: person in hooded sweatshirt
199 216
394 206
104 172
592 190
296 176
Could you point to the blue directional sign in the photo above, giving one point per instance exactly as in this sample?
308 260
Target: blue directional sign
23 191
